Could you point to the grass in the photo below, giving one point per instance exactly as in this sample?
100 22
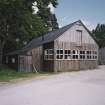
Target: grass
7 74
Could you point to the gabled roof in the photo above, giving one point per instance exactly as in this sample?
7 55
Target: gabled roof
49 37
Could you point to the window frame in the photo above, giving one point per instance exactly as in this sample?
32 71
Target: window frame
47 55
94 55
68 54
82 54
76 54
59 54
73 53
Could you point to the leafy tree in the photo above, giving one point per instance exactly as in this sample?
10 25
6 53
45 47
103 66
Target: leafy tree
18 24
44 12
99 35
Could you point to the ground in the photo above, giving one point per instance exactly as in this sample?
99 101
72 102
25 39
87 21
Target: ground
72 88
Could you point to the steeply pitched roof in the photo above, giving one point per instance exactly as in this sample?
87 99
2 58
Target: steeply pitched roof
49 37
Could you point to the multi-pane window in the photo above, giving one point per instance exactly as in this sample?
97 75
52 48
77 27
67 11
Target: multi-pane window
48 54
67 54
75 54
82 55
89 54
59 54
94 54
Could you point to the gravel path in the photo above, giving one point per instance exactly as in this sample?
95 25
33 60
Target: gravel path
73 88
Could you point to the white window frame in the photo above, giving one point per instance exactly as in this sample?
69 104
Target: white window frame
94 55
47 54
85 53
59 54
76 54
69 55
82 54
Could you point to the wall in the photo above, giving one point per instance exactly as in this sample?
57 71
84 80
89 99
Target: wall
48 65
25 63
10 63
37 58
67 65
71 36
69 41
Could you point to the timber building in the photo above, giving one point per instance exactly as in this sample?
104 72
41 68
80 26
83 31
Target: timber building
68 48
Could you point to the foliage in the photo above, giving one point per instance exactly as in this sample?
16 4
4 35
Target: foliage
18 24
99 35
44 12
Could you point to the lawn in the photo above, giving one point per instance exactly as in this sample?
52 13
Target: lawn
7 74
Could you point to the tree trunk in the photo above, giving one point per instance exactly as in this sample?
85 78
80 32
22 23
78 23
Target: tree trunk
1 52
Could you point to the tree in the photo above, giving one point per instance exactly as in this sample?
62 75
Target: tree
99 35
44 12
18 24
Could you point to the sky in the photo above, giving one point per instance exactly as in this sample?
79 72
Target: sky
91 12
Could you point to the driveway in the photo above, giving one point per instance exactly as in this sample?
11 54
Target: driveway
73 88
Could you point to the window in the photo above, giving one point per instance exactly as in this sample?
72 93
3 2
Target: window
13 60
79 37
59 54
48 54
82 55
67 54
75 54
94 54
89 55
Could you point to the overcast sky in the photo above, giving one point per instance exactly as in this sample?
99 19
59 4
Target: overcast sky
90 12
